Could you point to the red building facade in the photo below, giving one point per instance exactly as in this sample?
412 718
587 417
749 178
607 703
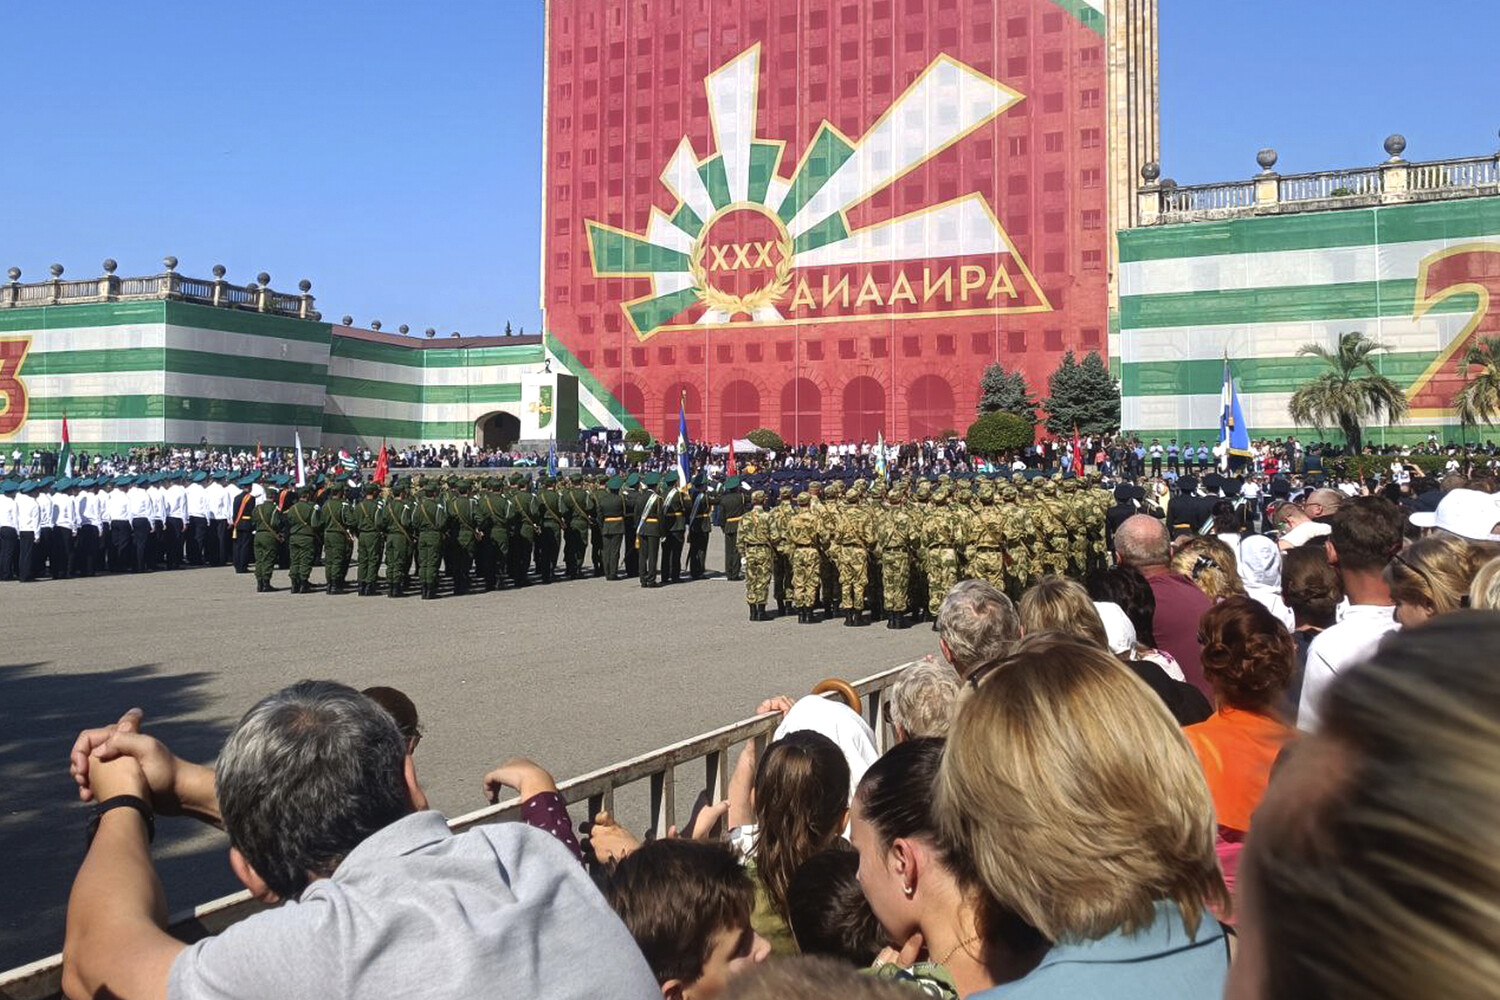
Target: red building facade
823 216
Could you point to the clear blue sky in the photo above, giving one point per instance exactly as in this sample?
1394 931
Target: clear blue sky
391 152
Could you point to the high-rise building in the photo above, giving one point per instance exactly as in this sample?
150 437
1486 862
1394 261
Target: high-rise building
827 217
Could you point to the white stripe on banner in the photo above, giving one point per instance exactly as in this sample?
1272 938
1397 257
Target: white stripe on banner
246 346
1262 341
1262 409
95 384
1278 269
245 389
359 406
379 371
240 435
96 338
84 432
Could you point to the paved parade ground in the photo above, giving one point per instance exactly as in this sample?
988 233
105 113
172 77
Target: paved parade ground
577 675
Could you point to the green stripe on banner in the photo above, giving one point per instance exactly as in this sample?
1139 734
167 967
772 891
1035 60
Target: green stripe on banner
829 152
620 253
587 417
590 382
172 361
174 408
113 359
344 387
475 357
1090 17
763 159
1357 300
64 317
1284 374
687 220
652 313
830 230
472 393
191 314
1451 220
716 180
398 431
96 407
370 350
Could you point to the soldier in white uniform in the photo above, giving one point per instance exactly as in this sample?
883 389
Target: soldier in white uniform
28 526
175 496
9 541
198 517
64 528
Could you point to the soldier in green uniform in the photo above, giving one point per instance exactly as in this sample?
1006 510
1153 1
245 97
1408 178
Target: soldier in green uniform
371 544
894 538
1017 530
874 510
781 515
987 541
804 531
943 537
700 528
494 549
395 523
332 522
649 528
578 511
612 516
630 497
468 526
269 525
523 527
756 540
731 510
851 549
551 521
595 490
428 518
301 537
674 509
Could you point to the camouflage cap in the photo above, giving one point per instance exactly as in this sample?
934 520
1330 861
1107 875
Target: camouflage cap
785 493
804 499
758 497
835 489
924 490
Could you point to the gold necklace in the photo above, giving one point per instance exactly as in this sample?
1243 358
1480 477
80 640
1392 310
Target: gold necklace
954 950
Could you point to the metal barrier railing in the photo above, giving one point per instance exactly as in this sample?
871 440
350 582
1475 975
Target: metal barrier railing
42 980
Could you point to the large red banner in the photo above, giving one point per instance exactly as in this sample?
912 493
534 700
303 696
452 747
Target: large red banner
825 218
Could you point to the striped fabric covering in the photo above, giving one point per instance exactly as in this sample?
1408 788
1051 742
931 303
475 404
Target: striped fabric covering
1414 277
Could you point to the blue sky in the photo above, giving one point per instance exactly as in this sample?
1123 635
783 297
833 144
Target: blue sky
392 152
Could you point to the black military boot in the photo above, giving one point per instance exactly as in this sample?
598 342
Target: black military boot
395 590
754 613
330 588
851 618
891 619
781 608
861 619
760 613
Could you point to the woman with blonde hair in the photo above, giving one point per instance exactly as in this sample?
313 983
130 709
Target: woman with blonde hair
1057 604
1211 565
1372 870
1070 798
1431 576
1484 592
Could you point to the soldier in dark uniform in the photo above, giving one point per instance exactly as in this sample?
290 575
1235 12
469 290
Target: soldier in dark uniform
428 520
522 522
286 495
301 535
469 528
612 516
699 528
395 523
675 514
596 526
371 544
731 510
269 527
630 497
550 503
577 515
495 548
649 529
333 520
242 530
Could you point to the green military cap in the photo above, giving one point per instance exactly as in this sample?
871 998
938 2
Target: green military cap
878 489
577 477
651 479
517 478
669 479
632 481
816 486
835 489
757 496
924 490
200 476
732 483
305 490
462 485
804 498
62 484
337 486
614 484
944 479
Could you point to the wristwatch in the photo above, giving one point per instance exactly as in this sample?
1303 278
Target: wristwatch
135 802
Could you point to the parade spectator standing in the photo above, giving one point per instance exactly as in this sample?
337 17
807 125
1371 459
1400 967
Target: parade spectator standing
976 625
1142 543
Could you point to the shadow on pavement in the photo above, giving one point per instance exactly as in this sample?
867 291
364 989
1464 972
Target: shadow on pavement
41 820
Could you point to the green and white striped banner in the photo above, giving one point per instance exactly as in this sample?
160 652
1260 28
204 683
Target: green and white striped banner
1413 277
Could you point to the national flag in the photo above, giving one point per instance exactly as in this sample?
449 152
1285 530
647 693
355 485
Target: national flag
1078 462
257 453
1234 435
347 461
729 469
552 457
301 465
382 465
682 441
65 453
881 468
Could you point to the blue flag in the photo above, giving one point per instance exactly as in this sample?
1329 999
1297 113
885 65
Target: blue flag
1234 435
682 442
552 457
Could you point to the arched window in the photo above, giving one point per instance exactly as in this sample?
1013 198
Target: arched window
739 410
632 401
929 406
692 406
802 412
864 409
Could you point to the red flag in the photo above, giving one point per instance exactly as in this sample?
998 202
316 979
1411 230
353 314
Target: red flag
257 453
1078 459
729 469
382 467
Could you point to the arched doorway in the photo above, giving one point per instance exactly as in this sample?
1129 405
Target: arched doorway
802 412
691 402
864 409
497 430
739 410
929 406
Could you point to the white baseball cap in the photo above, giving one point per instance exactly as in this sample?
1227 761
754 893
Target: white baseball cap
1466 513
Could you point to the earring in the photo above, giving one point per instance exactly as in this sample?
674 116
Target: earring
909 890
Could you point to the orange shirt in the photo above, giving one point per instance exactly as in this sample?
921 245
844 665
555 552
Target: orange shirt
1236 749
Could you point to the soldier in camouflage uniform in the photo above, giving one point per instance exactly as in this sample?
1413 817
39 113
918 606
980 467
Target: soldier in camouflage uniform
804 530
943 537
895 530
781 515
468 528
1018 531
851 548
874 510
827 508
921 508
756 541
988 542
1051 531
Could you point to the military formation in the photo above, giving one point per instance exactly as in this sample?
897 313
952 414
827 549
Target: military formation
865 550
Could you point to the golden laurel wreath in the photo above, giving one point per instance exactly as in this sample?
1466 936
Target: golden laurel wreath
723 301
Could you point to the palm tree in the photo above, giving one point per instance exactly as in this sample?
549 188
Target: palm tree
1479 399
1351 393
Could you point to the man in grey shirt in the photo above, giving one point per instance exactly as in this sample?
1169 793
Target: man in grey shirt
315 790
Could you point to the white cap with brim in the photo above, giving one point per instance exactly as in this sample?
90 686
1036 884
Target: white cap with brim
1466 513
1117 626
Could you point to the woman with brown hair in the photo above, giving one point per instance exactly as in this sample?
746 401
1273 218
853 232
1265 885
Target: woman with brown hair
1068 796
1312 589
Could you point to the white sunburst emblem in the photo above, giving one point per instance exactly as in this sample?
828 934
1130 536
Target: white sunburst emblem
745 245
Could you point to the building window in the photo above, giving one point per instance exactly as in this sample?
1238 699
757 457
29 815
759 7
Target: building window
1089 177
877 347
1018 145
815 350
981 344
1093 260
846 349
695 354
1053 340
724 353
753 352
611 357
1093 218
911 347
1089 138
1052 142
637 357
784 351
1091 337
666 356
1088 98
1016 342
947 345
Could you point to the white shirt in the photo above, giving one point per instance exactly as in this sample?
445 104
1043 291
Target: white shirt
137 503
158 504
65 512
228 503
91 508
197 500
1337 648
7 512
28 513
115 505
213 502
175 497
44 510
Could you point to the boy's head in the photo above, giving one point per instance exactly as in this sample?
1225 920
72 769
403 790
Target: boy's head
828 909
1367 531
687 903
